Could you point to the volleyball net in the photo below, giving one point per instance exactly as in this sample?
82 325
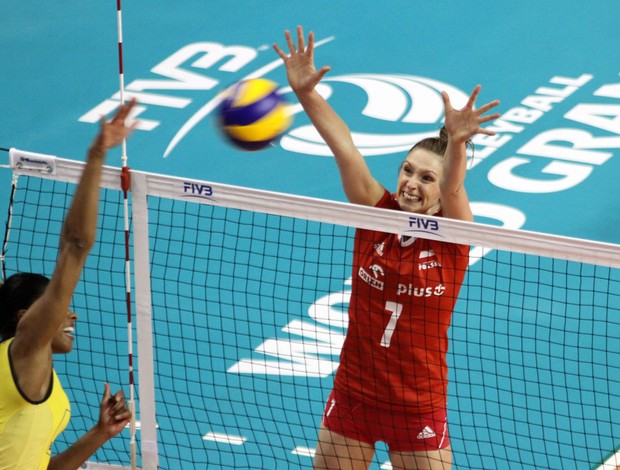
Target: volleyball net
241 300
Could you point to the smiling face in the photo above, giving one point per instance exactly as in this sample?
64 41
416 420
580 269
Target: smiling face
418 182
63 339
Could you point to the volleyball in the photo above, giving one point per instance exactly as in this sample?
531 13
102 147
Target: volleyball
252 114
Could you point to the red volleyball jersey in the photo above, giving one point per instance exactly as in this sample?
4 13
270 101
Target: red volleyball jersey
404 291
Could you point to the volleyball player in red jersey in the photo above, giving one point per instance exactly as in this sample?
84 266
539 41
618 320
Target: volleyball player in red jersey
391 384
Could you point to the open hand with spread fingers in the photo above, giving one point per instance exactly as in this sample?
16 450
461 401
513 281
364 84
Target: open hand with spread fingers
300 70
464 123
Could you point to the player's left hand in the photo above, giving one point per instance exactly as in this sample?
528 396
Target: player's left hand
464 123
114 415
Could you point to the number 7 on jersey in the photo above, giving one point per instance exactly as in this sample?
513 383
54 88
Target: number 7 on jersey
395 309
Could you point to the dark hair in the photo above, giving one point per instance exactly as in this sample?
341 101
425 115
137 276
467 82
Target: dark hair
437 145
17 293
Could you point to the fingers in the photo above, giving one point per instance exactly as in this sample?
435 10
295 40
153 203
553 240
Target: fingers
310 49
467 121
279 51
106 392
118 120
301 44
470 104
474 96
289 41
114 131
117 406
124 111
490 117
300 39
321 73
481 130
483 109
446 101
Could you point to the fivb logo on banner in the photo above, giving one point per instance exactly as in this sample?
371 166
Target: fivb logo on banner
407 99
393 98
552 161
568 155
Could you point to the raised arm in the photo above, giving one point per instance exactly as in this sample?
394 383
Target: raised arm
461 125
32 348
359 185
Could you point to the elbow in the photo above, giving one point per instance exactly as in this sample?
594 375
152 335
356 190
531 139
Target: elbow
448 190
79 244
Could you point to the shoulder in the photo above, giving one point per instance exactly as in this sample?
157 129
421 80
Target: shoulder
5 358
451 255
10 396
387 201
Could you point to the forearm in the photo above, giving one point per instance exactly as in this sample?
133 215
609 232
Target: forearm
80 225
79 452
329 125
454 167
358 183
461 125
454 199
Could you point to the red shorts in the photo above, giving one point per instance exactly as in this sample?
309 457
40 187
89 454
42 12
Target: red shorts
402 432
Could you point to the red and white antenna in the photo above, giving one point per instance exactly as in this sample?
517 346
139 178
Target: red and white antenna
125 186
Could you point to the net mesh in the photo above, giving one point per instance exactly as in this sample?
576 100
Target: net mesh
249 315
39 206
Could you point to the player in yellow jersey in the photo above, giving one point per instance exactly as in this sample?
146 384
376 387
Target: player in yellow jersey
35 323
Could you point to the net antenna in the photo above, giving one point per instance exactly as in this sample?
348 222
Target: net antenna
125 186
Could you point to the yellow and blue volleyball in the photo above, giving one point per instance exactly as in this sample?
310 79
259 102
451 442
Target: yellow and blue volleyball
252 114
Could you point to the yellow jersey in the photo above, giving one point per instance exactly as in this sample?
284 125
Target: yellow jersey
27 428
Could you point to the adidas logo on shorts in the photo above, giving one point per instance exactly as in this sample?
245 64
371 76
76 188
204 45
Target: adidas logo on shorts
426 433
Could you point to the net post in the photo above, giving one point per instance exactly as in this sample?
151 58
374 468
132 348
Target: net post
144 327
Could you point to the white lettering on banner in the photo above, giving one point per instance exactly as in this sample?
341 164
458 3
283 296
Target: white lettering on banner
541 146
331 309
508 217
502 176
305 358
522 115
572 163
609 91
202 55
595 115
533 107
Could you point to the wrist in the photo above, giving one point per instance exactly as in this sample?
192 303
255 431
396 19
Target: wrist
97 149
312 102
100 433
305 95
459 139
